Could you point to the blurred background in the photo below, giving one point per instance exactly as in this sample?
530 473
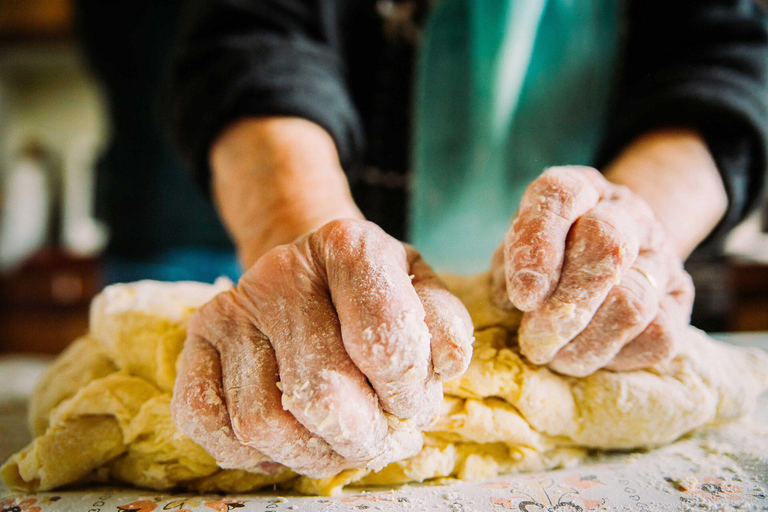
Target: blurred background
58 171
53 127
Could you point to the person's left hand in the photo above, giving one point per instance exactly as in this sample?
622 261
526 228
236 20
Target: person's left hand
591 267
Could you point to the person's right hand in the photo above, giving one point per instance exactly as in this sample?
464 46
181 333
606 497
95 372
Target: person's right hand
321 351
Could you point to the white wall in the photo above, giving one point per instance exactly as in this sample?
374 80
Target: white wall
48 96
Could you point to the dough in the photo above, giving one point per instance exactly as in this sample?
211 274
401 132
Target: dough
102 411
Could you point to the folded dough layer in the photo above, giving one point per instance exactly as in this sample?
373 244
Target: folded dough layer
102 410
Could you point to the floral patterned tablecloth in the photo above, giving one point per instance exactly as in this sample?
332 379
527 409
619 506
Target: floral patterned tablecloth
717 468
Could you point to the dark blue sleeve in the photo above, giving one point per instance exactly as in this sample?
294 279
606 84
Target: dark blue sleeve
699 64
240 58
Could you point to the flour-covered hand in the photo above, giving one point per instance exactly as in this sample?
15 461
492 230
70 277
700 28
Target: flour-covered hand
323 347
591 267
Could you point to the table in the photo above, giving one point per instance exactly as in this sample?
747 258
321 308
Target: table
716 468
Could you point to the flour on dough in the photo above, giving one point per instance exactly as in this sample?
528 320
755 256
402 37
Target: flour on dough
102 411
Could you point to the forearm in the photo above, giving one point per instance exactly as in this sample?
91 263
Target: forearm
673 171
275 179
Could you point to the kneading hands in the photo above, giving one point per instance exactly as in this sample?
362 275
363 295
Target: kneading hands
331 351
591 267
329 354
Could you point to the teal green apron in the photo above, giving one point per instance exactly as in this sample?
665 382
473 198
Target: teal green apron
505 89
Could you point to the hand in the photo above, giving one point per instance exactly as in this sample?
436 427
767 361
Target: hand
325 344
593 270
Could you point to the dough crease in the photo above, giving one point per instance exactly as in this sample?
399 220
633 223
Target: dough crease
102 410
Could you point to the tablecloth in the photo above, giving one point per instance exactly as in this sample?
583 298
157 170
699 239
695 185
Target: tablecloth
717 468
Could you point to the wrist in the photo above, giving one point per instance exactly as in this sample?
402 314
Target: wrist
674 172
275 179
292 219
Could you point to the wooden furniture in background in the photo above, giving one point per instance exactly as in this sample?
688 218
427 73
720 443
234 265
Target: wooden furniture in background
35 20
749 285
44 304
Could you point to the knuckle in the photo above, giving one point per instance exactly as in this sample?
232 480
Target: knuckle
451 363
279 259
633 305
344 233
250 428
681 289
216 320
210 311
222 304
315 398
554 191
606 239
612 239
353 242
623 193
279 272
551 179
190 414
559 190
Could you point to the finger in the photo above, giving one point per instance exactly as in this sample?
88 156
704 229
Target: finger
626 312
199 411
446 317
250 381
600 249
498 277
681 289
534 246
382 318
656 344
321 385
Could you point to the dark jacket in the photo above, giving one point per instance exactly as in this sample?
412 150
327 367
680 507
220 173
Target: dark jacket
701 64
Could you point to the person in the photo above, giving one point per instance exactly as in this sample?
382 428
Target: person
339 334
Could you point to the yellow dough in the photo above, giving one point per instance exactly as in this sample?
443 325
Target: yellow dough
102 410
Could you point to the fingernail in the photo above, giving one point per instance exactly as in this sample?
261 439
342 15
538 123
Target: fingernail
528 288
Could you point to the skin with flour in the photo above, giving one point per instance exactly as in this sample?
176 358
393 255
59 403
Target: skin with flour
596 263
283 195
600 273
328 356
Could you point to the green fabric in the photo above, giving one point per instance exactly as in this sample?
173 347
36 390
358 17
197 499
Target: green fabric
505 89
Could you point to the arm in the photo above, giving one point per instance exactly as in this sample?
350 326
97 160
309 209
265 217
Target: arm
238 60
336 327
606 286
259 108
674 172
595 260
699 66
275 179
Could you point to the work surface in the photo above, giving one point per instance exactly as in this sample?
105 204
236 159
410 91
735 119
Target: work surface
723 468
